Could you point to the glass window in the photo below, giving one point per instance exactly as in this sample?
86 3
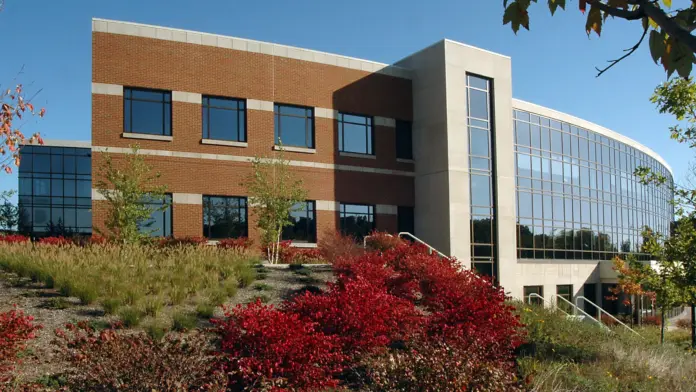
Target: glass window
224 217
355 134
160 222
147 111
480 190
405 217
404 139
294 125
304 224
479 144
224 119
533 299
564 291
357 220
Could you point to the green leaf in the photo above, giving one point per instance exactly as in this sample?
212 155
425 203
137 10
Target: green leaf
657 45
516 14
594 21
667 3
554 4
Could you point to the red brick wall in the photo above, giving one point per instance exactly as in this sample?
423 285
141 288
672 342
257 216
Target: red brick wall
144 62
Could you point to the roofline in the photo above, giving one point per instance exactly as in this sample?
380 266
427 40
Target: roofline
62 143
243 44
555 114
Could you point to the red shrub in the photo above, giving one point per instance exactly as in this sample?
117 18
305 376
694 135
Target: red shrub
288 254
363 316
237 244
13 239
182 241
15 330
652 320
56 241
265 347
96 239
381 241
109 360
334 245
608 321
683 324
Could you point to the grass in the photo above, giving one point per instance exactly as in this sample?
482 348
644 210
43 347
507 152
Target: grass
58 303
262 287
137 283
566 355
184 321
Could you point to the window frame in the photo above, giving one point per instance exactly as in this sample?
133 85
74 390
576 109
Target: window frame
241 125
277 125
313 210
369 133
400 148
167 200
128 104
526 295
206 203
372 212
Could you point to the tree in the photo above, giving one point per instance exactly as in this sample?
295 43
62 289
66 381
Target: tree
127 190
9 213
273 193
670 30
14 106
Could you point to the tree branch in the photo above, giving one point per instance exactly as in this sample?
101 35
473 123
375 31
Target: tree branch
667 24
618 12
628 51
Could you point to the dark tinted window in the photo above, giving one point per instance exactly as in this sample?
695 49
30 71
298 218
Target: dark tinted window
147 111
54 197
538 290
224 217
294 125
304 224
160 222
405 217
224 119
355 134
404 139
357 220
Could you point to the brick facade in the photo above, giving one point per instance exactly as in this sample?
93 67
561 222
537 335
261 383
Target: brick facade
132 61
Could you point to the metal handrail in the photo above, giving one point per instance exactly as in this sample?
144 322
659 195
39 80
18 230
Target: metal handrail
430 248
577 309
602 311
552 305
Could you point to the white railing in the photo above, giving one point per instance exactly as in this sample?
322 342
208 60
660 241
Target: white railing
551 304
601 312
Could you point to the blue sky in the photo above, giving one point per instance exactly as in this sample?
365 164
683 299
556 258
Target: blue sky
553 65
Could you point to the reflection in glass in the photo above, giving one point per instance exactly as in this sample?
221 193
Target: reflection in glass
224 217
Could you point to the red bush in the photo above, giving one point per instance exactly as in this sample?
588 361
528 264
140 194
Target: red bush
381 241
288 254
97 240
683 324
334 245
652 320
56 241
362 316
265 347
15 330
13 239
110 360
182 241
237 244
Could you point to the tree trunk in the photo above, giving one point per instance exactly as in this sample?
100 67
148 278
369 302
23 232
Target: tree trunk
662 326
693 326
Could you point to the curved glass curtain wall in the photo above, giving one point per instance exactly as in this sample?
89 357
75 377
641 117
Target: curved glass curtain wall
577 197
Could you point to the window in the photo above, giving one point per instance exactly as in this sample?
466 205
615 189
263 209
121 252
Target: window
147 111
224 217
224 119
294 125
355 134
404 139
564 291
357 220
405 219
55 191
529 299
160 222
304 225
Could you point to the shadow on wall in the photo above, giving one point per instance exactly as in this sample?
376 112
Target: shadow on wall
365 138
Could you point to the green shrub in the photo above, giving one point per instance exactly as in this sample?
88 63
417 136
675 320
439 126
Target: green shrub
262 287
58 303
246 275
111 305
183 321
156 329
131 316
205 310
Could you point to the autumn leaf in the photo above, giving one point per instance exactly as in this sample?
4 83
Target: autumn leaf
554 4
583 5
594 21
657 45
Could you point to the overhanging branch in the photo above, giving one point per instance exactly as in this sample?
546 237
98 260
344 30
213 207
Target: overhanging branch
628 51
